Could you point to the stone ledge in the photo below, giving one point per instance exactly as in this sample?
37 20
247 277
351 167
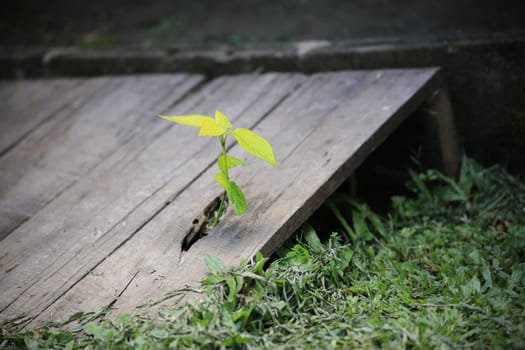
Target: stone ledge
307 56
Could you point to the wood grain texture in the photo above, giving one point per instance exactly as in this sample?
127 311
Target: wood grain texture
317 151
111 234
69 144
320 134
52 252
77 131
26 104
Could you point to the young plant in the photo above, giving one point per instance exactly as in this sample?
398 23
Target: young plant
221 128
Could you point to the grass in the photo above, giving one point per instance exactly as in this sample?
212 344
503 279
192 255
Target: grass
444 269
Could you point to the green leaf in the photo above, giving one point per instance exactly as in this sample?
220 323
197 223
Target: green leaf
235 341
234 284
260 261
342 220
222 120
213 279
311 237
211 128
222 179
235 194
360 226
214 264
190 120
121 321
255 145
70 345
487 275
31 344
229 162
94 330
237 198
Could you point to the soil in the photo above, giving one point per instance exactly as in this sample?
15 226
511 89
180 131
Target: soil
165 23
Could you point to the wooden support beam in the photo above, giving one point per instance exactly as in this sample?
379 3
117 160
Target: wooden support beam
440 142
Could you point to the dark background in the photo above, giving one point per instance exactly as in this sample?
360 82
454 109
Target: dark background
112 23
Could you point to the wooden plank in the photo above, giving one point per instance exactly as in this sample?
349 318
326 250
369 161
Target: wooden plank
320 135
432 129
26 104
64 148
448 140
51 253
29 104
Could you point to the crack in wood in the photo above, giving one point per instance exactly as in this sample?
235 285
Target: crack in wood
198 226
123 290
198 229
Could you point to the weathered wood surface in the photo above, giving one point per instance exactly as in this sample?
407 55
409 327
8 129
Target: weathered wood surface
76 138
113 235
26 104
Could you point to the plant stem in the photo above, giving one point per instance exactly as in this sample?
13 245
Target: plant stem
220 210
222 139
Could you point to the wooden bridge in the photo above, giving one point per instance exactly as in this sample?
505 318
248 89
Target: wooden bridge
97 193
